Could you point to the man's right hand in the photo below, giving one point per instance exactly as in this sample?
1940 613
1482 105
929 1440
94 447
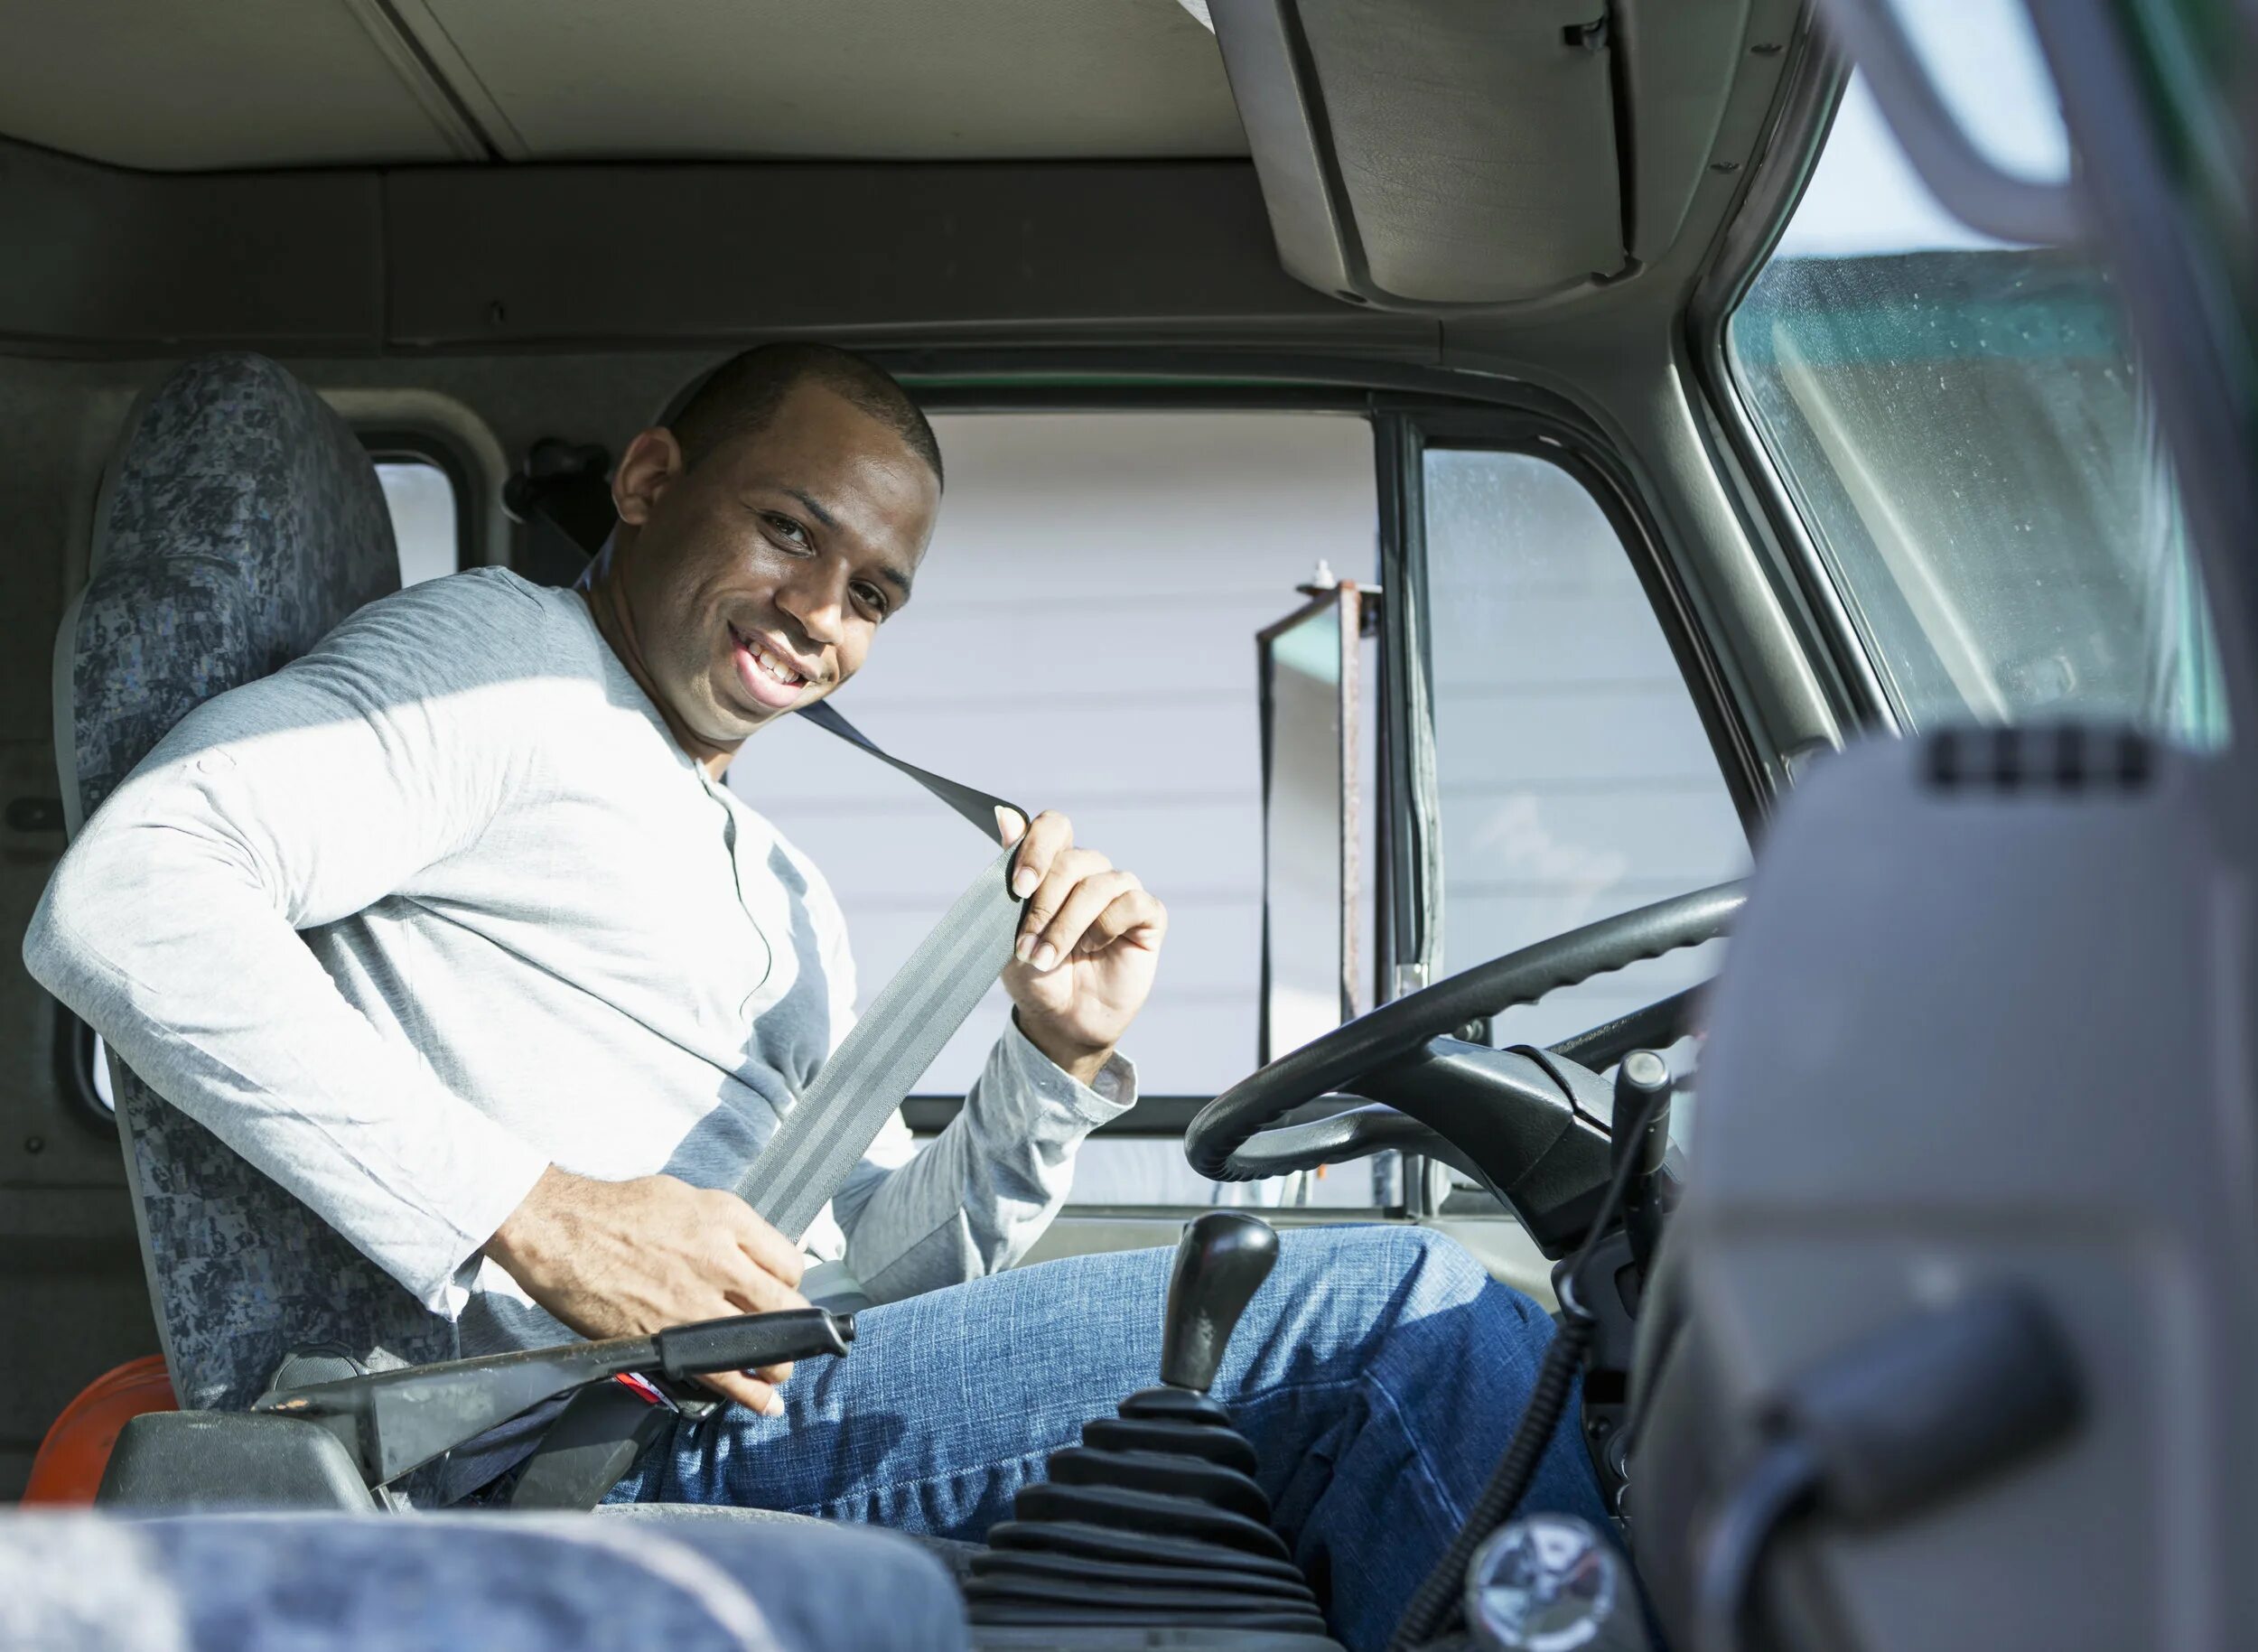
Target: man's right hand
631 1258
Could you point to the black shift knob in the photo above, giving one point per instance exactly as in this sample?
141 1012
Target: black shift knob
1221 1262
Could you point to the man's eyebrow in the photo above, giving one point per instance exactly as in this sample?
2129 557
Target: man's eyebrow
899 578
814 509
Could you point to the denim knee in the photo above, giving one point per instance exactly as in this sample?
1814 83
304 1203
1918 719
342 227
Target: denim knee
1406 1272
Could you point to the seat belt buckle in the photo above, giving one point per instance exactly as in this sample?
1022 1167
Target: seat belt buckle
646 1390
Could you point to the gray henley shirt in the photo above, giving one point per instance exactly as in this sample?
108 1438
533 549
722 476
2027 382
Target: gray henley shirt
443 903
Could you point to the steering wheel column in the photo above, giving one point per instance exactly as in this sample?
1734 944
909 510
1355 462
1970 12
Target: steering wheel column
1531 1125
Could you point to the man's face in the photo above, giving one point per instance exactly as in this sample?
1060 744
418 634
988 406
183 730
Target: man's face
755 580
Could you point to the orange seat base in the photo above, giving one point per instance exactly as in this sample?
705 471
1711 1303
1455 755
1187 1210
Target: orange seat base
77 1449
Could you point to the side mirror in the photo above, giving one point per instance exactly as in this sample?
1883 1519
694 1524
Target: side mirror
1316 700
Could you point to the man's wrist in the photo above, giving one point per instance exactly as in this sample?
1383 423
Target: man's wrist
1079 1062
519 1244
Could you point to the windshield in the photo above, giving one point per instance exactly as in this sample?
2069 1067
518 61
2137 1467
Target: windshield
1967 437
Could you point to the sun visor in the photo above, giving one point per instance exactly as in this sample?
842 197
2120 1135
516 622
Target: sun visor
1420 155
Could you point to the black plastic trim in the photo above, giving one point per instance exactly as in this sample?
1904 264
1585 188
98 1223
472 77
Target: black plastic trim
74 1072
1812 84
1153 1116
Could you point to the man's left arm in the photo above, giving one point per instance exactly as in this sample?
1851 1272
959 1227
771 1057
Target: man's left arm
984 1190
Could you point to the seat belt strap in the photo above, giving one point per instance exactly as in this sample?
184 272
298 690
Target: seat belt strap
833 1124
975 805
818 1144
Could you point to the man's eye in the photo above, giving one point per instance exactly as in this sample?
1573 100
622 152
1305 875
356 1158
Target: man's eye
789 530
873 599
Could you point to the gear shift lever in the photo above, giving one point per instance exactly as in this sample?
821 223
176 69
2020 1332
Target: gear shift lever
1221 1262
1156 1521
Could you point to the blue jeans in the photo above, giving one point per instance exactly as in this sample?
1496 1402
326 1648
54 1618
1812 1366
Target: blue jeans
1378 1373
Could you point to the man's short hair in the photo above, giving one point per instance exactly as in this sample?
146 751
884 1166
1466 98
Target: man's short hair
740 397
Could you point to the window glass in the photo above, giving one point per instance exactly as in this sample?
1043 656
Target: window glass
1575 778
425 524
1967 435
1082 638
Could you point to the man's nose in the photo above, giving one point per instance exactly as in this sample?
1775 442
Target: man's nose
817 601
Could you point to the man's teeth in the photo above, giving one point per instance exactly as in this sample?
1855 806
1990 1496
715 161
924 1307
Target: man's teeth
775 667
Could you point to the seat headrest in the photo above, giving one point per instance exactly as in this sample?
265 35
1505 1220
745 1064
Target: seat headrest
240 521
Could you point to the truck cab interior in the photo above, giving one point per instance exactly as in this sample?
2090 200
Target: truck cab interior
1692 663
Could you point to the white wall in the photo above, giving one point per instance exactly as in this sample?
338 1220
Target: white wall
425 528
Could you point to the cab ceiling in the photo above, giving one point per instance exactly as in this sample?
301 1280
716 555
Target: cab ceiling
251 84
335 176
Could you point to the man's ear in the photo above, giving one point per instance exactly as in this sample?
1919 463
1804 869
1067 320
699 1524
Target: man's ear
649 466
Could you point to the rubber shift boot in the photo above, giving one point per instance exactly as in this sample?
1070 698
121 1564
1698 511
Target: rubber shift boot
1154 1521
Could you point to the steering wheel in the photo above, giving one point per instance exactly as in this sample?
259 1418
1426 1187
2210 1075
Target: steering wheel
1501 1115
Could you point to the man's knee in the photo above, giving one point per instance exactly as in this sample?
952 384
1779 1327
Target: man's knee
1399 1271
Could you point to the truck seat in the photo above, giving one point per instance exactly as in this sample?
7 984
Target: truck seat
239 521
545 1583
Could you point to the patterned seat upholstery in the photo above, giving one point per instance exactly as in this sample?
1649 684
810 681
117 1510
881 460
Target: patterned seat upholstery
240 521
501 1582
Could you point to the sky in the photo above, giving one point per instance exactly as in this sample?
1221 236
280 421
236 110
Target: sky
1865 198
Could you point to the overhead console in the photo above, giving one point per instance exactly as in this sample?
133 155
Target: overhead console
1445 154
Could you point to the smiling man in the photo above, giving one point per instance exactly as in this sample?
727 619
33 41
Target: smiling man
453 929
765 537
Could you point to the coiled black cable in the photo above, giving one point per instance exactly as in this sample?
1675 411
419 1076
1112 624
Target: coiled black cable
1435 1602
1509 1484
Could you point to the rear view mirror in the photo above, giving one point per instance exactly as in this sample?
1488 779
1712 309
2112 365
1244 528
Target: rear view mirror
1317 734
1959 82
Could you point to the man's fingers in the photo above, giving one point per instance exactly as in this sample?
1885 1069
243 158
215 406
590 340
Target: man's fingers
1050 835
770 1251
1010 824
753 1291
747 1391
1135 911
1090 896
650 1252
1050 899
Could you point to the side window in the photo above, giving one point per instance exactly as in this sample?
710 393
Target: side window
426 516
1575 780
1082 638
